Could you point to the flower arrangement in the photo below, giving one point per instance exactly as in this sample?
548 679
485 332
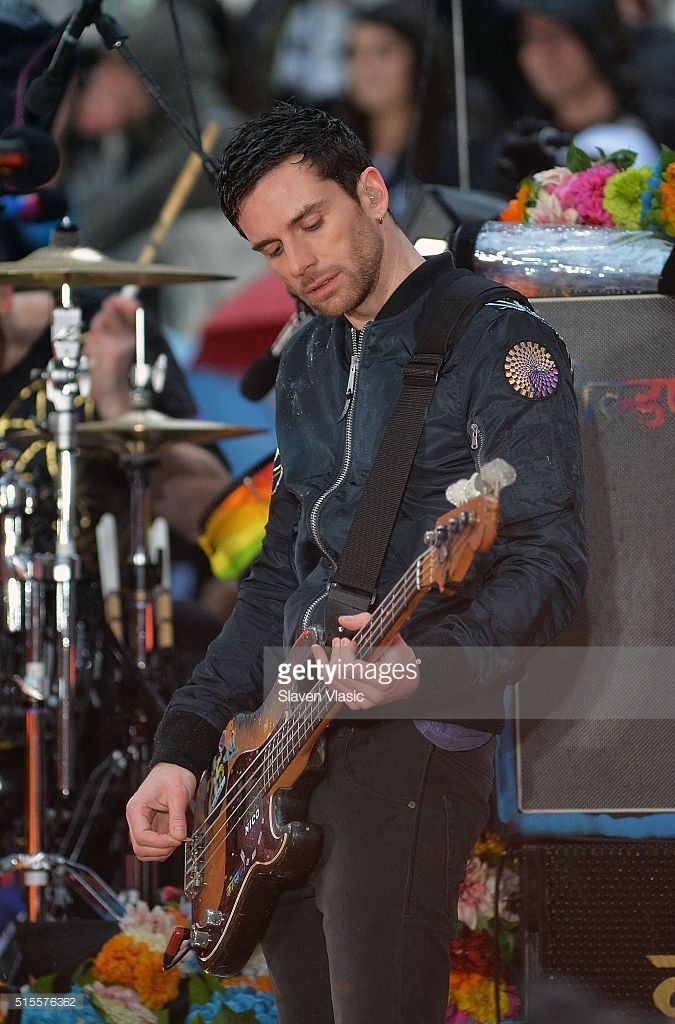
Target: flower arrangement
607 192
487 925
125 984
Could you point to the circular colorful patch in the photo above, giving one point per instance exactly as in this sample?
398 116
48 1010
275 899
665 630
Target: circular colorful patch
531 370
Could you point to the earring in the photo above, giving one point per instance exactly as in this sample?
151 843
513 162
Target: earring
380 219
372 198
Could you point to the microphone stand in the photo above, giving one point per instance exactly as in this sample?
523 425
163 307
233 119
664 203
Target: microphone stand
114 36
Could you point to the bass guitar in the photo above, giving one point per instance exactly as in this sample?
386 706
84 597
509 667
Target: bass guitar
250 836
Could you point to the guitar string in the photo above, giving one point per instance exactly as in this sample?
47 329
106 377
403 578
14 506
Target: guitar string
281 743
362 638
285 746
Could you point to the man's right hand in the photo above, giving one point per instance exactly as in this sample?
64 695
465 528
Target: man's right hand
156 811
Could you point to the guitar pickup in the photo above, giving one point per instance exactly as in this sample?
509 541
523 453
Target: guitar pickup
194 864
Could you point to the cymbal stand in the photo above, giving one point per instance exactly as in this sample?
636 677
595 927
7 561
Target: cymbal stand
67 377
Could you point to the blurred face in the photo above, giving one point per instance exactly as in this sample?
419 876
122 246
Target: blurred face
554 61
110 101
325 246
381 68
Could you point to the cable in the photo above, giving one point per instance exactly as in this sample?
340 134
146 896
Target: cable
183 66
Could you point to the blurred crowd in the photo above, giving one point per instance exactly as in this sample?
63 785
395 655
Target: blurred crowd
537 72
474 94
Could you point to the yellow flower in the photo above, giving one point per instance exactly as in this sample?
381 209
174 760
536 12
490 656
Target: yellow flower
488 846
623 196
475 995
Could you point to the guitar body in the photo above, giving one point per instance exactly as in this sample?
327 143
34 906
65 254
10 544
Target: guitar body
256 841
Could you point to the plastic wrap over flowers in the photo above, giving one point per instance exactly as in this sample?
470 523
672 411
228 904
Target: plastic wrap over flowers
562 259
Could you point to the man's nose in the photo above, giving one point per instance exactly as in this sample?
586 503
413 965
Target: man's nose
299 257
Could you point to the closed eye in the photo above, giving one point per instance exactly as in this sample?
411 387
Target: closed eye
315 226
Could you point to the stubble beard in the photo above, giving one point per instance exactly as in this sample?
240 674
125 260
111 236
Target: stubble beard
357 280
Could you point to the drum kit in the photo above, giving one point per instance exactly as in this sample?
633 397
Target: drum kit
41 647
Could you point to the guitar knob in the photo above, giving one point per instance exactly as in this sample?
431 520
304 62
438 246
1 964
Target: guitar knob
214 918
199 939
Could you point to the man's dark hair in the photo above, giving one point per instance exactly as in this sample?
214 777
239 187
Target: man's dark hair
261 144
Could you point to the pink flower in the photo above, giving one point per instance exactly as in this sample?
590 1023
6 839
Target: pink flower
549 181
548 210
474 895
584 192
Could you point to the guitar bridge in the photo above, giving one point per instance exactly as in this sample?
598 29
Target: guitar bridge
194 864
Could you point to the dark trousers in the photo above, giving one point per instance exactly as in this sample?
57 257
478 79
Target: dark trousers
366 938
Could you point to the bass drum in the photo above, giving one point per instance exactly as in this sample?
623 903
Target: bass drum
233 530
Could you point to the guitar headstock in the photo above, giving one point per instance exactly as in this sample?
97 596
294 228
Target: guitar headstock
468 529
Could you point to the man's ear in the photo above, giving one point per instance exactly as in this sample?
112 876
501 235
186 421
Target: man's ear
373 194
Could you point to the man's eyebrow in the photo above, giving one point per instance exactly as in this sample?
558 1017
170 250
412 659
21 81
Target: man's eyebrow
293 222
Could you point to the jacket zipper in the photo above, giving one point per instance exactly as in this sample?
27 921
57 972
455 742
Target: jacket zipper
476 444
348 411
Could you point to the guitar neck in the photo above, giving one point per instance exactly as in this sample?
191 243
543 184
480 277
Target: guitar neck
390 615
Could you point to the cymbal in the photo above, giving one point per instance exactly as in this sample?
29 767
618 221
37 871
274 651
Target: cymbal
148 429
54 265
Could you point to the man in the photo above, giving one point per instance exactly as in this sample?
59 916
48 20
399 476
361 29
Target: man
366 937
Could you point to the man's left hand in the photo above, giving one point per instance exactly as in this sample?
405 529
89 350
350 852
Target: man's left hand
396 671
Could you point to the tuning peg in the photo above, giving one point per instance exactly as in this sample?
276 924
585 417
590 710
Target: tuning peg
462 491
494 476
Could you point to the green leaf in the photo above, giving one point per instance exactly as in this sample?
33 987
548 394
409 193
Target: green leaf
667 157
227 1016
622 159
577 160
83 974
44 985
162 1016
197 1019
199 990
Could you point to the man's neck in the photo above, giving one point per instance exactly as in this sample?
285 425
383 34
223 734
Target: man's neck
399 259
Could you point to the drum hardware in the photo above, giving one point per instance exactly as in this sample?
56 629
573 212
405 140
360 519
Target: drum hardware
56 265
47 583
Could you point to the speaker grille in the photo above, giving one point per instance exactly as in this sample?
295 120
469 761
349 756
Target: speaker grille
598 910
622 350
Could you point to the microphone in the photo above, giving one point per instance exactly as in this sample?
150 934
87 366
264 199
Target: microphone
260 377
45 92
28 158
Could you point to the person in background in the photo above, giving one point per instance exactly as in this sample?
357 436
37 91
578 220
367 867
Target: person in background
652 61
573 56
122 155
410 127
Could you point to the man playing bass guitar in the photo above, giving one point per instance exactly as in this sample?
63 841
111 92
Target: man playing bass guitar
364 936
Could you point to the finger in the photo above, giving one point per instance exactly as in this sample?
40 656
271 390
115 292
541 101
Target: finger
178 801
354 621
319 653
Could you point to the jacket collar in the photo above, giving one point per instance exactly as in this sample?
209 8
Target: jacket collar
416 284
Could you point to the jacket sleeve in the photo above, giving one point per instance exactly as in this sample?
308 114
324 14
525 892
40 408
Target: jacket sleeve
230 677
520 407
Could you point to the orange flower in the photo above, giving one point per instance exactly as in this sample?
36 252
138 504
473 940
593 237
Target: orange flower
155 987
669 173
667 215
515 211
116 961
126 962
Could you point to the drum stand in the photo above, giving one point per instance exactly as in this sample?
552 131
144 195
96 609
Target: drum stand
66 377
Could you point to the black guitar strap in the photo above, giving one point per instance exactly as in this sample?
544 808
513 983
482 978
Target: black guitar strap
452 301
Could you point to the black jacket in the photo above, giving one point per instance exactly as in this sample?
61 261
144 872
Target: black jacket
531 582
